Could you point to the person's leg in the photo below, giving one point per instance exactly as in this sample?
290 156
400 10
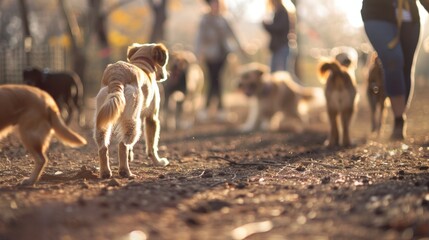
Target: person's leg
279 59
212 83
217 81
410 33
380 33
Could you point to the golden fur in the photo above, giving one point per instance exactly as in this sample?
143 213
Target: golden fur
272 93
376 93
341 99
34 115
129 92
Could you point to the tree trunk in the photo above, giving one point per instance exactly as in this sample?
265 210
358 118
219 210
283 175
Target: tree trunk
159 9
28 40
78 53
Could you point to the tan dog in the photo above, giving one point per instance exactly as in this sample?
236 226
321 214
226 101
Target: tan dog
34 114
341 99
272 93
129 92
376 93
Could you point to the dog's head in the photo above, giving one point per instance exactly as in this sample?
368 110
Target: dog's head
251 78
33 76
179 62
153 54
346 56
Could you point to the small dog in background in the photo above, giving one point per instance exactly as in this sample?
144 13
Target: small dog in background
341 100
347 57
33 114
130 91
271 93
183 90
376 93
65 87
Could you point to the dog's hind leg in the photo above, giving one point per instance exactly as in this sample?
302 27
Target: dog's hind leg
333 139
35 139
130 130
373 112
152 128
123 152
102 137
346 117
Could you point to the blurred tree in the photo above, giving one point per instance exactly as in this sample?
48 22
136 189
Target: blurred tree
159 9
96 23
26 28
76 39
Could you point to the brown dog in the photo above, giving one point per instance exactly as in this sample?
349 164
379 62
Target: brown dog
274 93
376 93
183 90
130 91
34 115
341 99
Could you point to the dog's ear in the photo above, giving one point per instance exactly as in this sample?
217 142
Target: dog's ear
160 54
132 50
259 72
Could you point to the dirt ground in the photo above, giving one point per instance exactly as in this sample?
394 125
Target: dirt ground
222 184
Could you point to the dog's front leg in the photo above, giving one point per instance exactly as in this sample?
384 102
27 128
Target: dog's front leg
152 129
253 117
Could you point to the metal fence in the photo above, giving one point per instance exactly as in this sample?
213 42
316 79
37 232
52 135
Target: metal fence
14 60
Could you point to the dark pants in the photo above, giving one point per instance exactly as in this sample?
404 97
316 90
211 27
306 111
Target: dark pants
214 69
398 61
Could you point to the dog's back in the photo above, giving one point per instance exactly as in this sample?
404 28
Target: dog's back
111 98
64 86
340 90
29 106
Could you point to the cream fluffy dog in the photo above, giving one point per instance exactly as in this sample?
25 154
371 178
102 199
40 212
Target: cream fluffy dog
129 92
341 99
34 114
272 93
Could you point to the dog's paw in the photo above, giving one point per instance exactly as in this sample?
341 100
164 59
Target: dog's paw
245 128
27 182
106 174
161 162
126 173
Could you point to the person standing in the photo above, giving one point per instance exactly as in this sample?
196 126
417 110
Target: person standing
215 40
393 28
278 28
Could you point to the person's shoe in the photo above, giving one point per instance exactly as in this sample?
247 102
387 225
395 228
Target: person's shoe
399 127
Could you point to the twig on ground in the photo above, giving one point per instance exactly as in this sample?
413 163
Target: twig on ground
231 162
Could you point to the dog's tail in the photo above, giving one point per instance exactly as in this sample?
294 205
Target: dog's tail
113 106
333 67
65 134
